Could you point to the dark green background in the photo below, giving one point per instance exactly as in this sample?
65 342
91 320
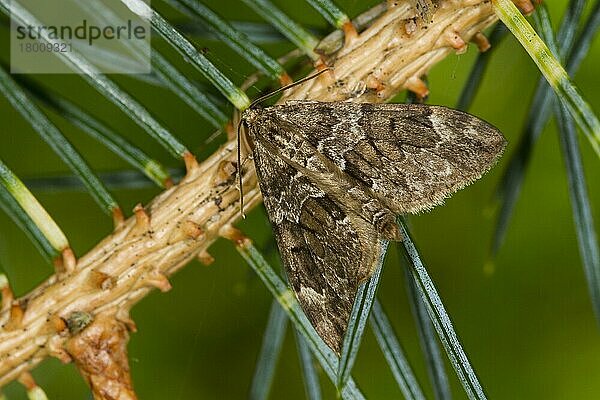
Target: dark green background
528 327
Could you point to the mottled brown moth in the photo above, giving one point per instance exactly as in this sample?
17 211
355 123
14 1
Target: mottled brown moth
334 176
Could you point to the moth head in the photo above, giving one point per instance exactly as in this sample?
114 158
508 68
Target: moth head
248 118
249 115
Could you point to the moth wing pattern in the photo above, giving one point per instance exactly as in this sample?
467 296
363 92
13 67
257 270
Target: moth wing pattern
410 156
326 252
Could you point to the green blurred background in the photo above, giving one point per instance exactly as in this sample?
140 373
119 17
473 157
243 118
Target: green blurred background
527 327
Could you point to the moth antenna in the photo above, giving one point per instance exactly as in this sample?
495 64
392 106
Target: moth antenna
239 160
286 87
239 127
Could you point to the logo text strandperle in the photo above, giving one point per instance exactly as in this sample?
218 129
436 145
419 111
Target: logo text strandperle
85 31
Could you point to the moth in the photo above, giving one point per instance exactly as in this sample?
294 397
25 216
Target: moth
334 177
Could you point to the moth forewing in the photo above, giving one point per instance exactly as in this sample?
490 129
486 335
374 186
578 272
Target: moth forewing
409 157
326 252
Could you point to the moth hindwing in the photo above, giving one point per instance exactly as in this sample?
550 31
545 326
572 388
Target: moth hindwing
334 176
